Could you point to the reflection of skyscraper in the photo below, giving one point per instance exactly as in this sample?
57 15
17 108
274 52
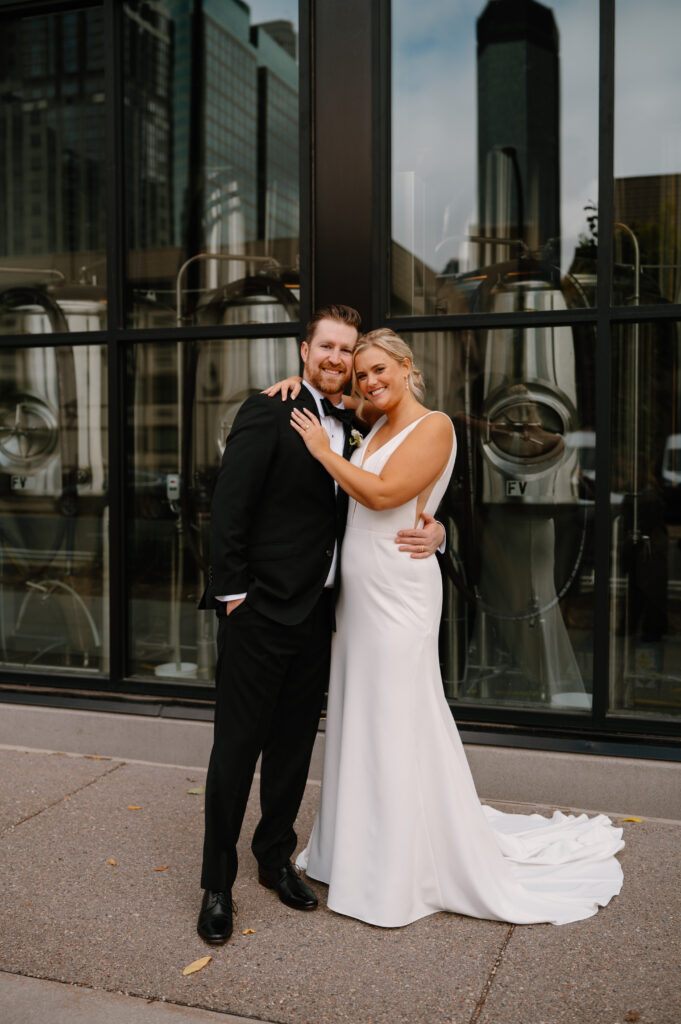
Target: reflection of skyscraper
52 126
230 91
518 125
235 113
211 138
650 206
52 131
148 50
278 203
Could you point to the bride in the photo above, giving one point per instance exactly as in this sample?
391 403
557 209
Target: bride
400 831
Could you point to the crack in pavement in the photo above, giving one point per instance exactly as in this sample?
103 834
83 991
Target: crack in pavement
60 799
488 984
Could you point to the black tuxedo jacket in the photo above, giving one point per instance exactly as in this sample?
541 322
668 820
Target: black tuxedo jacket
275 515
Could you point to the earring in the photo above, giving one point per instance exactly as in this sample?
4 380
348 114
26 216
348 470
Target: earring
406 383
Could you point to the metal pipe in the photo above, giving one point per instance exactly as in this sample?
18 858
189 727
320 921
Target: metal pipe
201 256
32 270
635 375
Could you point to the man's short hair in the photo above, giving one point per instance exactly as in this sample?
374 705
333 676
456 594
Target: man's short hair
341 314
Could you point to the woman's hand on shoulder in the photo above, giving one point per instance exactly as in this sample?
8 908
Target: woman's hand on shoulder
289 387
312 432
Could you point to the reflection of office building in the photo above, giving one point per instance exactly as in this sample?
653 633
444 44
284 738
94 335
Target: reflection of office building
148 49
518 126
278 213
52 177
412 281
52 131
230 111
211 142
650 206
235 115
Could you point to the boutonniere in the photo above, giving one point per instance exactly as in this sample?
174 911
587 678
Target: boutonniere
355 438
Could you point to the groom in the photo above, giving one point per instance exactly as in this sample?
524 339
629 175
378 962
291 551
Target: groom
277 522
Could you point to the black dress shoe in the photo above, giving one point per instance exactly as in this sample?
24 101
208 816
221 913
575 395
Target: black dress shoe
289 886
215 918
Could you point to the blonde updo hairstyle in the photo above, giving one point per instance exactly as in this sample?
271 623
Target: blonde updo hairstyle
398 350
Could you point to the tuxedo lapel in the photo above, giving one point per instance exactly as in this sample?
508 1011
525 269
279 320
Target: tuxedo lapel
357 426
347 447
306 400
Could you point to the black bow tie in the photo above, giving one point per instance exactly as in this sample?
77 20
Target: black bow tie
346 416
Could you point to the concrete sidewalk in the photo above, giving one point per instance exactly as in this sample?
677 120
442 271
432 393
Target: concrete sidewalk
88 941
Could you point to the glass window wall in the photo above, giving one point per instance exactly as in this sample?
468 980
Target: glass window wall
494 153
212 188
492 206
52 195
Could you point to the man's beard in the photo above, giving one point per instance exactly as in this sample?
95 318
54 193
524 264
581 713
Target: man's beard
321 383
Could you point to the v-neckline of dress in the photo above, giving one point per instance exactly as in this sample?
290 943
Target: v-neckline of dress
368 455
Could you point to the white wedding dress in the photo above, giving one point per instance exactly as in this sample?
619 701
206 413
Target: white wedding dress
400 831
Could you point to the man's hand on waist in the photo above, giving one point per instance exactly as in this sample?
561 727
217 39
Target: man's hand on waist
423 542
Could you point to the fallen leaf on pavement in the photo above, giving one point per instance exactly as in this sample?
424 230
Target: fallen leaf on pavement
133 807
248 931
631 819
197 965
197 790
163 868
112 862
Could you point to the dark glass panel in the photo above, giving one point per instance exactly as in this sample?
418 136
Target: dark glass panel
646 520
52 210
211 128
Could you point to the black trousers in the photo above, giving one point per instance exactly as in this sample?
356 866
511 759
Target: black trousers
270 682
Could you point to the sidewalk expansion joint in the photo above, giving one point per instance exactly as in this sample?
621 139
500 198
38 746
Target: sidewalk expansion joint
141 997
60 799
488 984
